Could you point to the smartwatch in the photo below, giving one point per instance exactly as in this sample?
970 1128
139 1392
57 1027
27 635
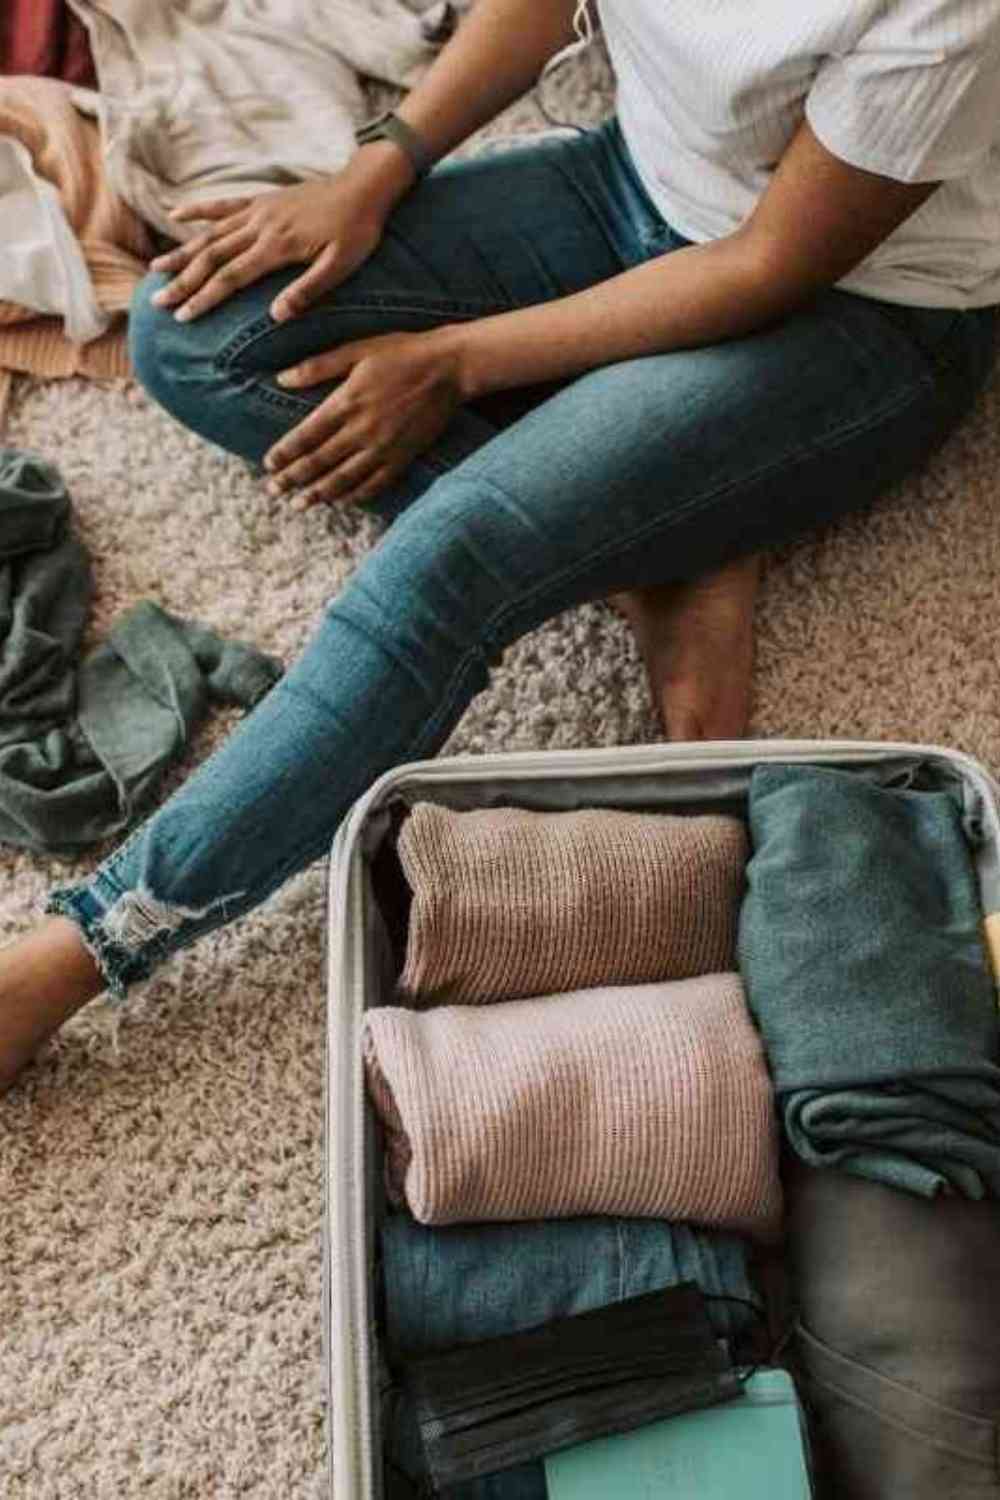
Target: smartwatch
389 127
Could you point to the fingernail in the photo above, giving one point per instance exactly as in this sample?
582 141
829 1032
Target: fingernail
300 502
286 378
183 315
159 297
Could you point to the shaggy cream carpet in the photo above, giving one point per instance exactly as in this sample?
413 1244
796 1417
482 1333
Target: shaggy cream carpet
160 1173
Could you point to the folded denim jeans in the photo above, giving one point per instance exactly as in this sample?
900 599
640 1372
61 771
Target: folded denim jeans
862 952
898 1342
448 1286
479 1281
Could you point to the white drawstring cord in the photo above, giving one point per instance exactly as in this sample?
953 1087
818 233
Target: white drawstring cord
584 28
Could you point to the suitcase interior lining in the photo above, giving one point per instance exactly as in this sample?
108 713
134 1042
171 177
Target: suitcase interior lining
387 903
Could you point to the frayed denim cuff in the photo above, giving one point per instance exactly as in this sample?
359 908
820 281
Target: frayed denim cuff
120 967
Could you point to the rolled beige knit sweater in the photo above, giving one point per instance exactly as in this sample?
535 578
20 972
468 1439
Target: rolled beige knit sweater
509 904
648 1100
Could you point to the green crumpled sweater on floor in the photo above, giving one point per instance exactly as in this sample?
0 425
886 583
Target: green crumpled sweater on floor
83 746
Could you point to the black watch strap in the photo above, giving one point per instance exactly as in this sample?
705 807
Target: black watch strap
389 127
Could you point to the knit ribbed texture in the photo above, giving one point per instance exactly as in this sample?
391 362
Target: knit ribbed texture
6 391
647 1101
509 904
39 347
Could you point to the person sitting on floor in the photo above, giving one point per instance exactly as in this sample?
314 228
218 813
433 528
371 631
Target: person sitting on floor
746 304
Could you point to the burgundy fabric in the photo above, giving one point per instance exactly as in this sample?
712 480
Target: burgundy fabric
44 38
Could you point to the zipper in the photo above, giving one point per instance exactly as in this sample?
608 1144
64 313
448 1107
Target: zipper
586 764
346 1335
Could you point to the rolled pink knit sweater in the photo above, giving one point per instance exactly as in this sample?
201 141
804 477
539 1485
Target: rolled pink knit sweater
508 903
650 1100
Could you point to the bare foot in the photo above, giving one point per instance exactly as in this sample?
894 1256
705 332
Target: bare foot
697 642
44 978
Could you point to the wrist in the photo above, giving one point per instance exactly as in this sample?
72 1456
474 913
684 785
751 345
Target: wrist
386 172
452 344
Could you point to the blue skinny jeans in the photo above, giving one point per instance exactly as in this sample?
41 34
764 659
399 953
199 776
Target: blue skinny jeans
635 473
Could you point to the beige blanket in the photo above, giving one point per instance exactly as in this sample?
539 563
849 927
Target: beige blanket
207 98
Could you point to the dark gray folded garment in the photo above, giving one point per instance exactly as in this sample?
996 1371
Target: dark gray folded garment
861 948
898 1345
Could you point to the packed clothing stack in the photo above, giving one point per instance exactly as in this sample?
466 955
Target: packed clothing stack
637 1057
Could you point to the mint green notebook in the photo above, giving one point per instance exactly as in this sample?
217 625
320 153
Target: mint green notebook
751 1447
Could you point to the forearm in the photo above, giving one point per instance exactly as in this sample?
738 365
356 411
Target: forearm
494 57
699 295
817 220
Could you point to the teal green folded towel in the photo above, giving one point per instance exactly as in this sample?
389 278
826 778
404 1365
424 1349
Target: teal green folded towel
752 1448
860 944
83 746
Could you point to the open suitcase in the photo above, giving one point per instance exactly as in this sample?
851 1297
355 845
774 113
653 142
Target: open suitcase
363 948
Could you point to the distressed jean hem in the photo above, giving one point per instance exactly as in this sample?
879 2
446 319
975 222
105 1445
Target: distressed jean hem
86 905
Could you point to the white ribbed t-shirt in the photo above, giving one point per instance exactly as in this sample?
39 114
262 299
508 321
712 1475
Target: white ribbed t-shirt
711 92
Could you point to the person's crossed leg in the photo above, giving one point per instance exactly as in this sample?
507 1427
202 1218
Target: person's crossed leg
650 469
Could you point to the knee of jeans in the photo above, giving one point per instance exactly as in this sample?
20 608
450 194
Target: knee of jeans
435 588
173 361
